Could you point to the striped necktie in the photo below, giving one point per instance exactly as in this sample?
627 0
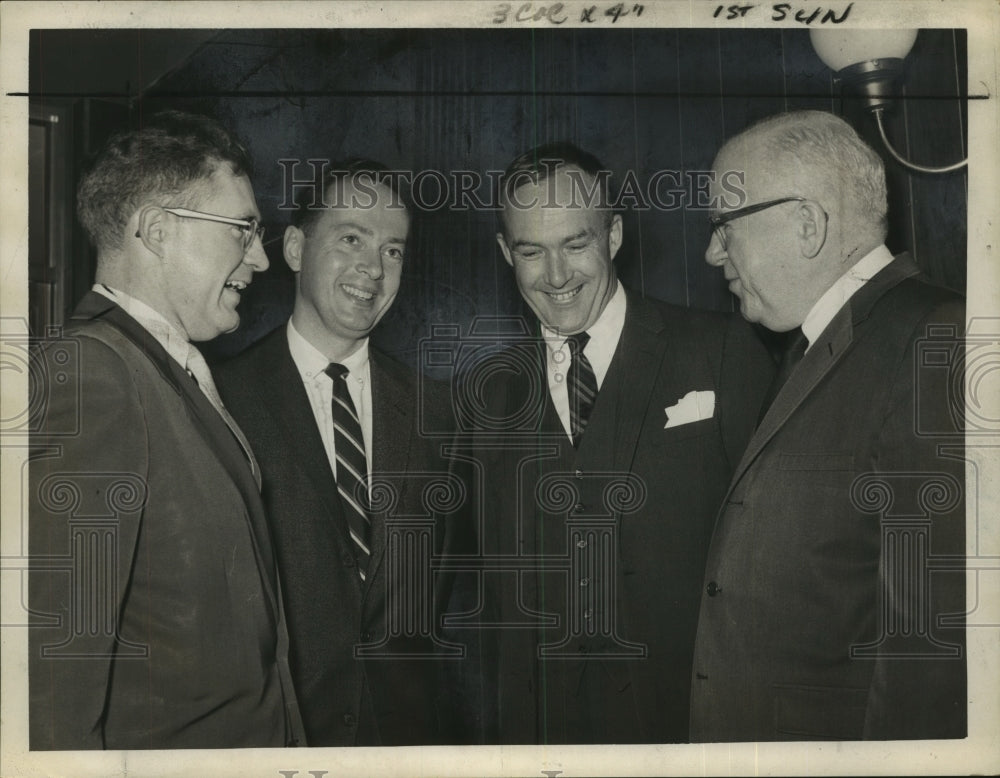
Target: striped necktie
352 466
581 385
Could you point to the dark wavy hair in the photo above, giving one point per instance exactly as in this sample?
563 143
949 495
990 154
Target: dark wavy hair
162 162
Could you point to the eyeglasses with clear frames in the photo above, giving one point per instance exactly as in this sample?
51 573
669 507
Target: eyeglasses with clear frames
251 227
720 220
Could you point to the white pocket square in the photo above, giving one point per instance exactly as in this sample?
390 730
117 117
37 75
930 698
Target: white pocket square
694 406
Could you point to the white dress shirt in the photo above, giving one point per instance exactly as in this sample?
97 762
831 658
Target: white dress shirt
180 349
165 333
604 336
843 289
312 364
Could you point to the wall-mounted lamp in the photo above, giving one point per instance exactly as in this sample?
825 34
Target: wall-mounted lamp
870 61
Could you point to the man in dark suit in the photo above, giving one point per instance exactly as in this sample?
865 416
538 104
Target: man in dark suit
602 459
834 594
157 614
360 622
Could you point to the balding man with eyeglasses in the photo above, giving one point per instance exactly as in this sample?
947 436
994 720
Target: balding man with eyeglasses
834 596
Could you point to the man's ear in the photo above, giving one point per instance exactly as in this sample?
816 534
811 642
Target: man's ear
151 228
812 228
615 235
292 247
504 248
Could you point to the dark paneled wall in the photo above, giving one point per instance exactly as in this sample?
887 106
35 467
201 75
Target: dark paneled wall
642 100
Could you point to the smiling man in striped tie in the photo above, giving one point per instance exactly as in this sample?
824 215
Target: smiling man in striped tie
328 417
607 440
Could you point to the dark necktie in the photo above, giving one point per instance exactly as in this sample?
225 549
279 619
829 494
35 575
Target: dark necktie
795 348
581 385
352 467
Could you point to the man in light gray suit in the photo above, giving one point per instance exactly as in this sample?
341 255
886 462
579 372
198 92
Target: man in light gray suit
158 620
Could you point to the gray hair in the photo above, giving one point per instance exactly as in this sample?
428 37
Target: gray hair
828 151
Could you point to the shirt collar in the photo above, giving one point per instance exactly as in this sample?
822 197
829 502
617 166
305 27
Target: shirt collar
604 332
604 336
312 362
827 306
154 322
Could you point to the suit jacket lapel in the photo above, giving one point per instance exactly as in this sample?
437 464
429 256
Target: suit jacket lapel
96 306
209 423
285 398
823 355
637 361
392 430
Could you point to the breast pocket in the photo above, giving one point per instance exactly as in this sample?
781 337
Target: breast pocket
832 461
675 440
815 479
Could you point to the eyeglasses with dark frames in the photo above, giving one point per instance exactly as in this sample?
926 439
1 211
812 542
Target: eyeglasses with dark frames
720 220
251 227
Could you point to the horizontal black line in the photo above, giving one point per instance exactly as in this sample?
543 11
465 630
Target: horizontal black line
490 93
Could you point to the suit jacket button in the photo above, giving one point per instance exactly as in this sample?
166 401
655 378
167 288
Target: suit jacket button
348 559
349 719
713 588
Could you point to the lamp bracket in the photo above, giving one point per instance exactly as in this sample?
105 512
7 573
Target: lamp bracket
873 79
